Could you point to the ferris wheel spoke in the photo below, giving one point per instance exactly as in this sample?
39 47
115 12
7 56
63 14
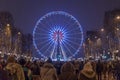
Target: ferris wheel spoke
74 38
70 45
41 38
68 22
50 45
72 42
63 52
74 33
48 23
73 30
74 23
45 45
40 34
51 22
43 42
44 27
67 48
39 31
53 51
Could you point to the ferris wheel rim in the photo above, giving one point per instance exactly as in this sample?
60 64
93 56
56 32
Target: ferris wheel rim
52 13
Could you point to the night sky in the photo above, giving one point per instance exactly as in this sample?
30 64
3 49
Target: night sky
90 13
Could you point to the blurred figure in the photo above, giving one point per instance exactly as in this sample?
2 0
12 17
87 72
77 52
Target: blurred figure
110 70
3 74
99 69
118 70
105 69
48 72
27 71
87 73
77 66
35 71
67 72
15 70
81 65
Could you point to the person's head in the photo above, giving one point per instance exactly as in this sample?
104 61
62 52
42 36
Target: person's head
67 67
49 60
88 67
22 61
11 59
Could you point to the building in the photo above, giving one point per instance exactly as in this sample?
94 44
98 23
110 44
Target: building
6 23
6 18
112 30
112 20
92 44
12 40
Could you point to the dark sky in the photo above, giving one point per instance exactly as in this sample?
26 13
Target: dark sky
90 13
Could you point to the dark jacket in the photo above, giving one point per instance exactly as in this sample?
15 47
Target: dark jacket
3 75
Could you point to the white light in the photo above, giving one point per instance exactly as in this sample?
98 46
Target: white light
117 51
118 29
102 29
8 53
118 17
8 24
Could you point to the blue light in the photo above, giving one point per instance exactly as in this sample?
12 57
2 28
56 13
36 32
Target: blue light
52 25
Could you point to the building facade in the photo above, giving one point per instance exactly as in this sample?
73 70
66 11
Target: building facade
112 30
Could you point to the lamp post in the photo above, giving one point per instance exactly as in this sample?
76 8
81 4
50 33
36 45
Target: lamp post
117 33
7 38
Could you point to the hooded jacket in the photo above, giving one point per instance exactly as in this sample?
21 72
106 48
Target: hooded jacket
67 72
15 69
87 73
48 72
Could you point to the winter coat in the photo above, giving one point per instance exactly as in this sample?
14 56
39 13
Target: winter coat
67 72
87 75
48 72
99 67
67 76
3 75
16 71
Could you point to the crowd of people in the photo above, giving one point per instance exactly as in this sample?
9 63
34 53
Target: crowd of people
23 69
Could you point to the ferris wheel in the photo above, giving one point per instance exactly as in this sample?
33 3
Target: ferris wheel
58 35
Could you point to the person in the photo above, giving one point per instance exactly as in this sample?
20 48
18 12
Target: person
99 69
48 72
67 72
35 70
87 73
3 74
15 70
27 71
105 69
77 66
118 70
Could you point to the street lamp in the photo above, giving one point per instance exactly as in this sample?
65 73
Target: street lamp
8 24
19 33
117 29
102 29
118 17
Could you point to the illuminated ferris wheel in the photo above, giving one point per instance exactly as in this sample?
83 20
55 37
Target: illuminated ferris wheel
58 35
